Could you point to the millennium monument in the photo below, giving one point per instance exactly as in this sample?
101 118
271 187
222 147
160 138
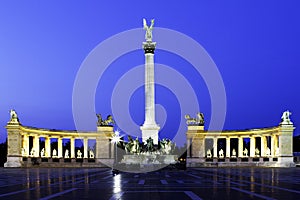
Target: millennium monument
266 147
149 128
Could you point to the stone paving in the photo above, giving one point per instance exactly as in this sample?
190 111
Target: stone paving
197 183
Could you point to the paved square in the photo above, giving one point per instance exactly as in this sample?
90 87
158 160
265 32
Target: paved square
199 183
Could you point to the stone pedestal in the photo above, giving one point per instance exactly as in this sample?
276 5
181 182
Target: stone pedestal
285 154
196 135
14 145
104 153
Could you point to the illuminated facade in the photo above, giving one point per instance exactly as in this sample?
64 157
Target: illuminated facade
272 147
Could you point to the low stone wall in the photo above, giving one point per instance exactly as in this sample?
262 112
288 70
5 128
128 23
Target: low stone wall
235 162
63 162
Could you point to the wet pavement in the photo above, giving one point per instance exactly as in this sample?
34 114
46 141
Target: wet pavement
198 183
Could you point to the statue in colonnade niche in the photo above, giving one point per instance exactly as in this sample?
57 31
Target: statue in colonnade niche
54 153
32 151
79 154
245 152
233 153
67 154
43 152
91 154
221 153
208 153
257 152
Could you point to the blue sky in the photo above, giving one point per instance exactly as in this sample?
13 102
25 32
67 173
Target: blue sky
254 44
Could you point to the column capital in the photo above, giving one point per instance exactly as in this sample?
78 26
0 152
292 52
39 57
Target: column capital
149 47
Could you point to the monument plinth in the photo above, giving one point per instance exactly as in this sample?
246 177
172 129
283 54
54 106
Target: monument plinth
149 128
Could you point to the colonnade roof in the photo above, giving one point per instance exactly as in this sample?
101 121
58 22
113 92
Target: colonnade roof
232 133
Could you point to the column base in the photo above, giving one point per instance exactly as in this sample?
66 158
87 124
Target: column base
14 161
285 162
150 131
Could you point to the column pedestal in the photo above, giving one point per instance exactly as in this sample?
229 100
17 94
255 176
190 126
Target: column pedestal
285 157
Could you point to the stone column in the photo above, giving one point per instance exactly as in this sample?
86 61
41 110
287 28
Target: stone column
36 145
59 146
228 147
26 144
188 150
252 146
215 147
241 142
149 128
72 146
276 145
272 146
263 145
85 147
47 147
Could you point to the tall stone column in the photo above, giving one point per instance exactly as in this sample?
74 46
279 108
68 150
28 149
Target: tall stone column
72 146
59 146
47 147
85 147
228 147
149 128
240 147
252 146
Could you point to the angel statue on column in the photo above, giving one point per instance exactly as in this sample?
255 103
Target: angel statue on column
148 29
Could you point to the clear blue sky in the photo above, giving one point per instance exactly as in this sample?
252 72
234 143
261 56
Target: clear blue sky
255 45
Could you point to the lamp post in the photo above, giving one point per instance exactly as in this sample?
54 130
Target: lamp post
116 138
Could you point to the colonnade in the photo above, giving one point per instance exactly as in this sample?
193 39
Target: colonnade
37 151
275 143
241 150
25 142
